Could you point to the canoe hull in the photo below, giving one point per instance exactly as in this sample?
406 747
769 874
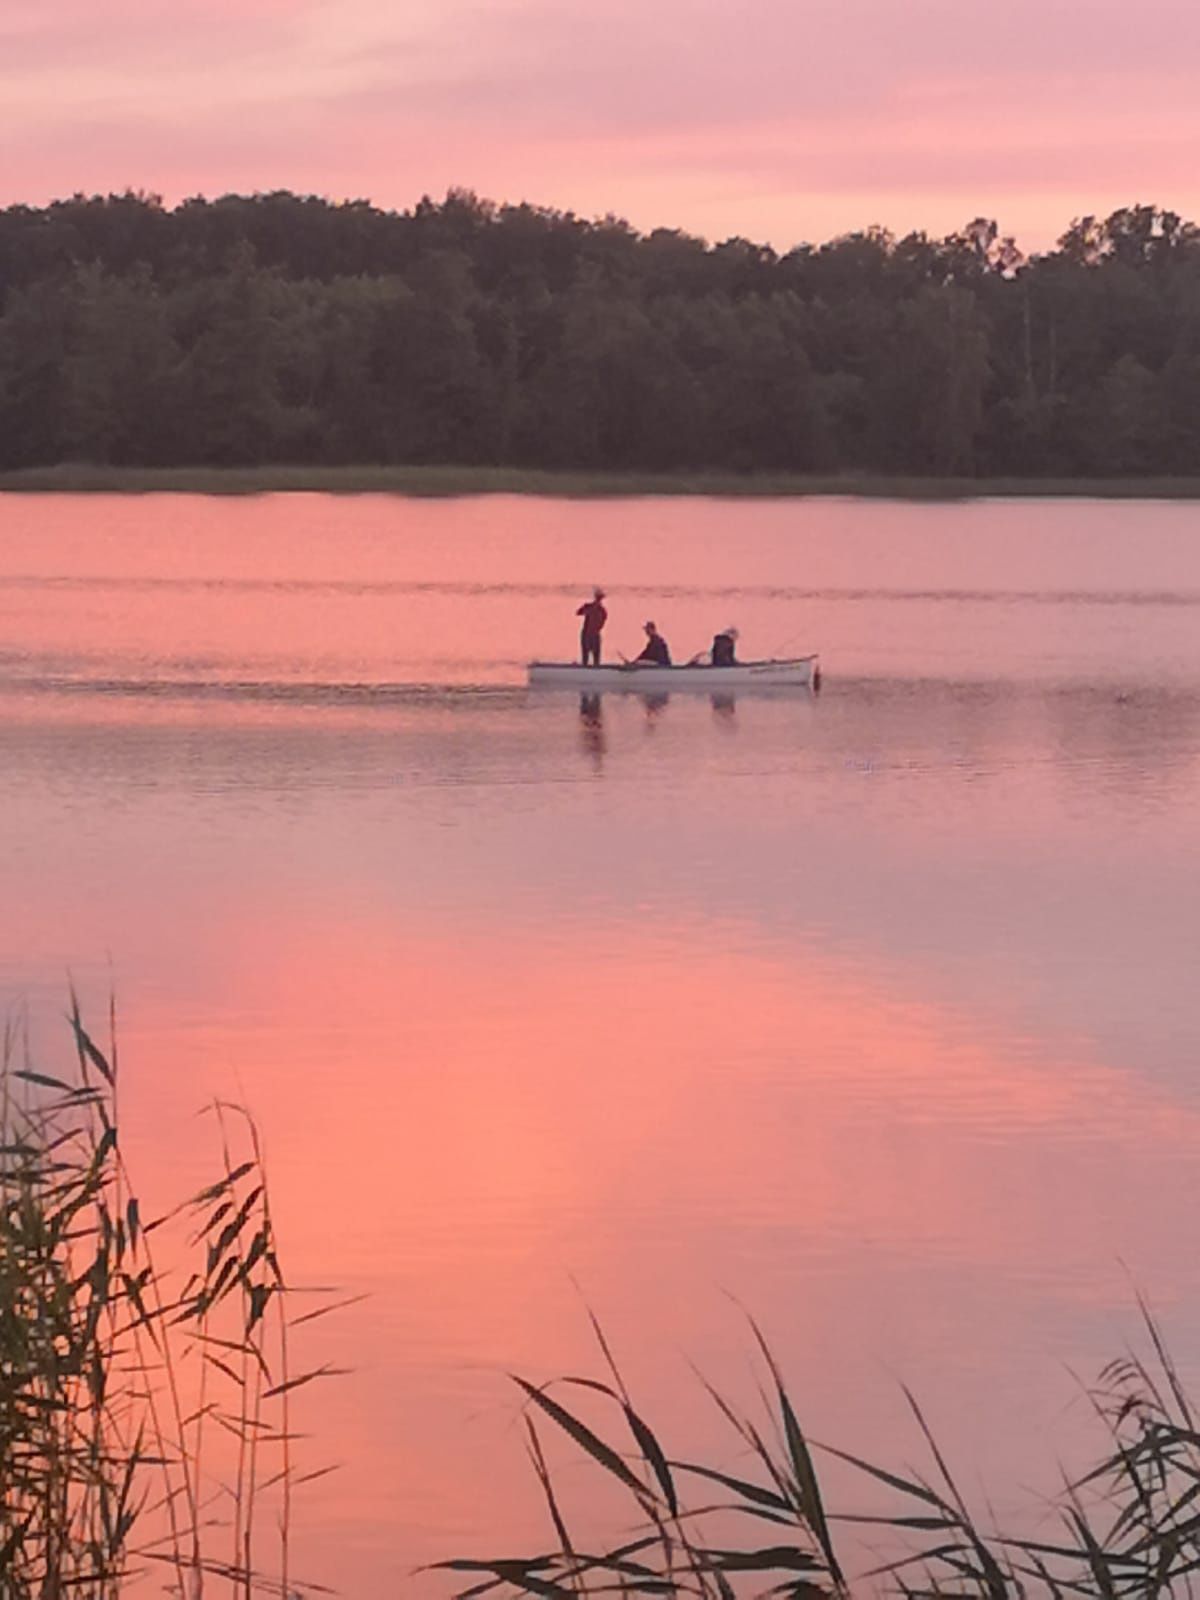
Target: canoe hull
797 673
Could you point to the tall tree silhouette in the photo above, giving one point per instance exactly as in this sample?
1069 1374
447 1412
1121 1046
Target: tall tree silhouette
284 327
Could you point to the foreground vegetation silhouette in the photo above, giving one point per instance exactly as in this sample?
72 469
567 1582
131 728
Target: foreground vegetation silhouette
145 1422
1128 1527
287 329
144 1416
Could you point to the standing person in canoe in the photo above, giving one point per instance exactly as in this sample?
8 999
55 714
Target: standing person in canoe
594 617
655 653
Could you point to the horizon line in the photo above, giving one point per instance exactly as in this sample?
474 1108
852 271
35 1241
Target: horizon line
464 193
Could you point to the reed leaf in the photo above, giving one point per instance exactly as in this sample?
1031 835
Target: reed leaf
101 1422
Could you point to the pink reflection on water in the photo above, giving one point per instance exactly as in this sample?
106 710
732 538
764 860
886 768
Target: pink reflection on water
303 588
874 1011
462 1128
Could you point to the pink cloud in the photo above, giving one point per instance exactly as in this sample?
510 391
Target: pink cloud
764 117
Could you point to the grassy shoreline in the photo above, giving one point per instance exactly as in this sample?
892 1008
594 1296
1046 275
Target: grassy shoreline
456 481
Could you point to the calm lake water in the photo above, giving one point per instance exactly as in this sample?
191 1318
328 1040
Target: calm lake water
876 1010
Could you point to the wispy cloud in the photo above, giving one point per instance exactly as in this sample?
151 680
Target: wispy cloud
784 118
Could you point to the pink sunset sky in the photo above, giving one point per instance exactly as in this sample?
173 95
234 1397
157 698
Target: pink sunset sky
783 120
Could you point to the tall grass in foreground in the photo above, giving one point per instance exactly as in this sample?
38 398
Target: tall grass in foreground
144 1414
1128 1527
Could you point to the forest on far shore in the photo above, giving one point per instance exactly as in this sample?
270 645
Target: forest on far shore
286 328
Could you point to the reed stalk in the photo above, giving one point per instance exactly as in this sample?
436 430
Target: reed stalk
1128 1528
144 1411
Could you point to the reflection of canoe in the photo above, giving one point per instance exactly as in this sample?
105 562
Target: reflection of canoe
800 672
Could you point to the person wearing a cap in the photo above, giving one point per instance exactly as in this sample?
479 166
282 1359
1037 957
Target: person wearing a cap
724 653
656 653
594 617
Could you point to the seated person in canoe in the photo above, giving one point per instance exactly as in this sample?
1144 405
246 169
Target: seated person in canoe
655 653
724 651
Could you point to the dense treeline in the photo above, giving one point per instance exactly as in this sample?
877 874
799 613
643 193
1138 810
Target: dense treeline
283 328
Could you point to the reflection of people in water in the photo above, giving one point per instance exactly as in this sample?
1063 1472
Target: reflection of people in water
724 707
591 723
594 617
654 705
655 653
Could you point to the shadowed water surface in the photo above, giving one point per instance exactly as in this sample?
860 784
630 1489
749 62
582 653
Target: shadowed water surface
875 1010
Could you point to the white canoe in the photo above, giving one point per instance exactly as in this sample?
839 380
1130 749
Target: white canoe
799 672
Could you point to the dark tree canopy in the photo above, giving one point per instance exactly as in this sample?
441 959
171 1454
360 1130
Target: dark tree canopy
283 327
